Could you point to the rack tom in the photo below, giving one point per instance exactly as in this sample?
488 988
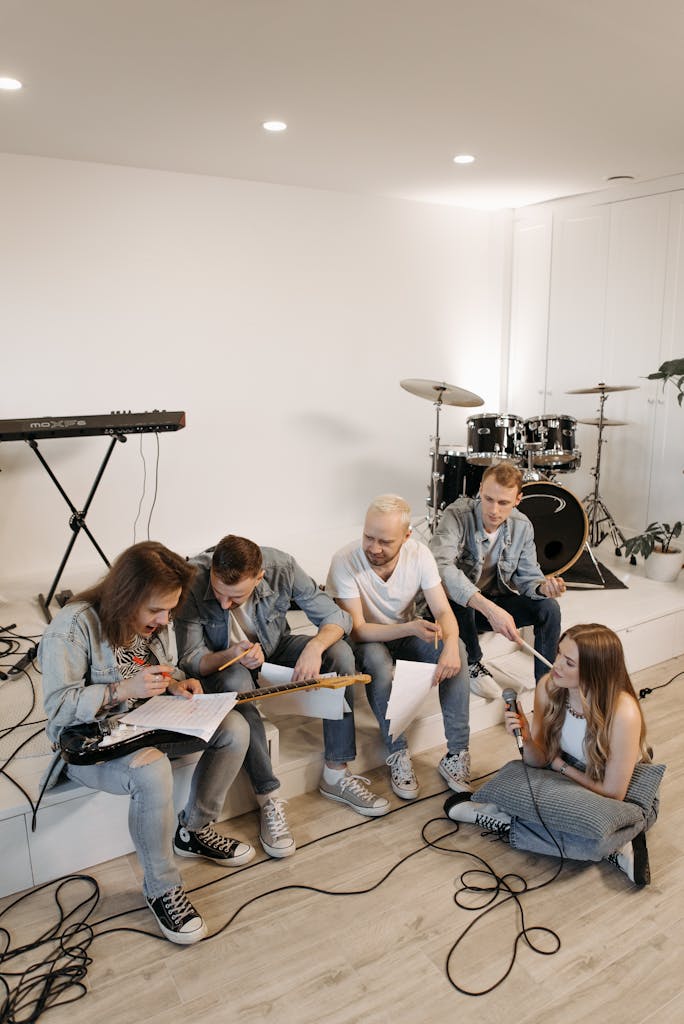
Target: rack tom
556 435
493 437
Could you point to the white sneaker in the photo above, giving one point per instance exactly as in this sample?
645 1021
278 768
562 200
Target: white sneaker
487 816
482 683
455 768
402 775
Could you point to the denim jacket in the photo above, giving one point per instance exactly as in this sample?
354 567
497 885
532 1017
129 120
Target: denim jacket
202 626
77 664
457 545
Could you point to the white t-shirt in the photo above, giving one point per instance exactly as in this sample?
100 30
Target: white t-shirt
383 601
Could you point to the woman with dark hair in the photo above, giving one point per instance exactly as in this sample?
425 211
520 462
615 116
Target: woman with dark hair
108 646
588 728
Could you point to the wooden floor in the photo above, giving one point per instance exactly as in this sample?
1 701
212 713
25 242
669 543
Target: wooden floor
297 956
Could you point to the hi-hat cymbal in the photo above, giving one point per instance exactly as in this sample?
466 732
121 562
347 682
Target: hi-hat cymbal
606 422
603 389
439 391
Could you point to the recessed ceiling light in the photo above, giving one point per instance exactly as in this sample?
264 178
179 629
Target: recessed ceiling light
9 84
464 158
274 126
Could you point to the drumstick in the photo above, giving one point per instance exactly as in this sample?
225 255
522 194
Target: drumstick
536 653
233 660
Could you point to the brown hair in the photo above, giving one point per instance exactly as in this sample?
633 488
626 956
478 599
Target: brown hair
235 558
505 474
136 574
603 678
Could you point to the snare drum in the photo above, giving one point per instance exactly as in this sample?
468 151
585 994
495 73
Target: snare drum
456 477
493 437
556 434
560 525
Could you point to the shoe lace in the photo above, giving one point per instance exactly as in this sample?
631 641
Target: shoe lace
490 824
275 818
177 905
400 764
478 669
458 764
355 784
211 838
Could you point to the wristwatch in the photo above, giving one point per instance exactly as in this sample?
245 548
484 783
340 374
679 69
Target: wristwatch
563 768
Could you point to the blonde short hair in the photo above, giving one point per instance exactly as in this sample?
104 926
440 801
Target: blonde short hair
392 503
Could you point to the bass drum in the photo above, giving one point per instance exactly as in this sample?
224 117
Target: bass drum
560 525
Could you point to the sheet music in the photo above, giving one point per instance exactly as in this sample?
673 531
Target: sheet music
411 685
310 703
198 716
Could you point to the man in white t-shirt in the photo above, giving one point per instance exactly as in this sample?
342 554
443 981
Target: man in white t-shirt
377 581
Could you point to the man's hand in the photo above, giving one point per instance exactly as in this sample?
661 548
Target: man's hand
449 663
308 663
254 659
503 623
553 586
184 687
425 630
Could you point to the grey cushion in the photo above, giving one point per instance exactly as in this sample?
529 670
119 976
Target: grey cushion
535 794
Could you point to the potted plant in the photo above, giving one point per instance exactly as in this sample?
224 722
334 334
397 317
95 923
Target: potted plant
663 559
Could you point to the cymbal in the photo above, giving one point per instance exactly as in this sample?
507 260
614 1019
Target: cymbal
439 391
606 422
603 388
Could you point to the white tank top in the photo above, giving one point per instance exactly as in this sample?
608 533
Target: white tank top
572 737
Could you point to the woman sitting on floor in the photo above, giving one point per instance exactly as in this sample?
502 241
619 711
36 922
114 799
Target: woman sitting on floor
581 796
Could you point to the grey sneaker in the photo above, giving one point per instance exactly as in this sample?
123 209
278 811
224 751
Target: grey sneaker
402 775
350 790
274 834
482 683
455 768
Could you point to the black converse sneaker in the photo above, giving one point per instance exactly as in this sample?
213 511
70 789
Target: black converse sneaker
208 843
632 860
177 918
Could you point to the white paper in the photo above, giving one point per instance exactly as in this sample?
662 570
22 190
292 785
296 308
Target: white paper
198 716
321 703
411 684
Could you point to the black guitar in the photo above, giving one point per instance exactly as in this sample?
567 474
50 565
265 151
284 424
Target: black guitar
94 742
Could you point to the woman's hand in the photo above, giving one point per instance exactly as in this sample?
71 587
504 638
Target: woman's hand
184 687
516 719
150 681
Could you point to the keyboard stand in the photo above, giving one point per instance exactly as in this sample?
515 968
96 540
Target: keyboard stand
77 520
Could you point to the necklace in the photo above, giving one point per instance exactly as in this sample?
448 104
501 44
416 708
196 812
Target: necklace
575 714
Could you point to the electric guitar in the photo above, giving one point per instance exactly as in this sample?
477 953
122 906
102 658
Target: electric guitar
94 742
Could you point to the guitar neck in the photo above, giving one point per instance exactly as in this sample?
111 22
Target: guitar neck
333 683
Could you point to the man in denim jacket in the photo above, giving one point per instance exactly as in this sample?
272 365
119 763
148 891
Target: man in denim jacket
238 608
107 647
488 563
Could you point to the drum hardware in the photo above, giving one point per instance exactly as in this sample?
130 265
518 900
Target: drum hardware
530 474
439 393
494 437
596 508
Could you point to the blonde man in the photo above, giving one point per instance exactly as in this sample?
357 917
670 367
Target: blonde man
377 581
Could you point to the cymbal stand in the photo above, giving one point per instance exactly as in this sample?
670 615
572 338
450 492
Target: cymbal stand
596 508
434 480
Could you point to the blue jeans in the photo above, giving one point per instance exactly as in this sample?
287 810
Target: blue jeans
454 694
151 819
543 614
338 735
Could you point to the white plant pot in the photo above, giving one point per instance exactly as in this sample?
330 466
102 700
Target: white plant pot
664 566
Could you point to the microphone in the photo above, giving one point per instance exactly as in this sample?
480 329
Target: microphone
511 697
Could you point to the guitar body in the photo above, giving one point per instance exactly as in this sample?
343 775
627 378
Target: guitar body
95 742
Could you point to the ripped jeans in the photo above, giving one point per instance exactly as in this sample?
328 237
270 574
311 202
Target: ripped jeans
147 780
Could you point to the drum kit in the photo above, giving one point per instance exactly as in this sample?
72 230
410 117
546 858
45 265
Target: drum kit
563 526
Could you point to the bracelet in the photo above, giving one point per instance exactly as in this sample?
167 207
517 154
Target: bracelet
563 768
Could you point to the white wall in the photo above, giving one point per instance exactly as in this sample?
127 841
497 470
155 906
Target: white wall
280 319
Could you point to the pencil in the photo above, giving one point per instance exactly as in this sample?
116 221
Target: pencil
233 660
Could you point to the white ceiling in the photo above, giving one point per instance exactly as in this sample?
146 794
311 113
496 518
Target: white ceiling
552 96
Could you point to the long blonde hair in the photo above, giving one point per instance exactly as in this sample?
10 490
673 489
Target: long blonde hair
603 678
